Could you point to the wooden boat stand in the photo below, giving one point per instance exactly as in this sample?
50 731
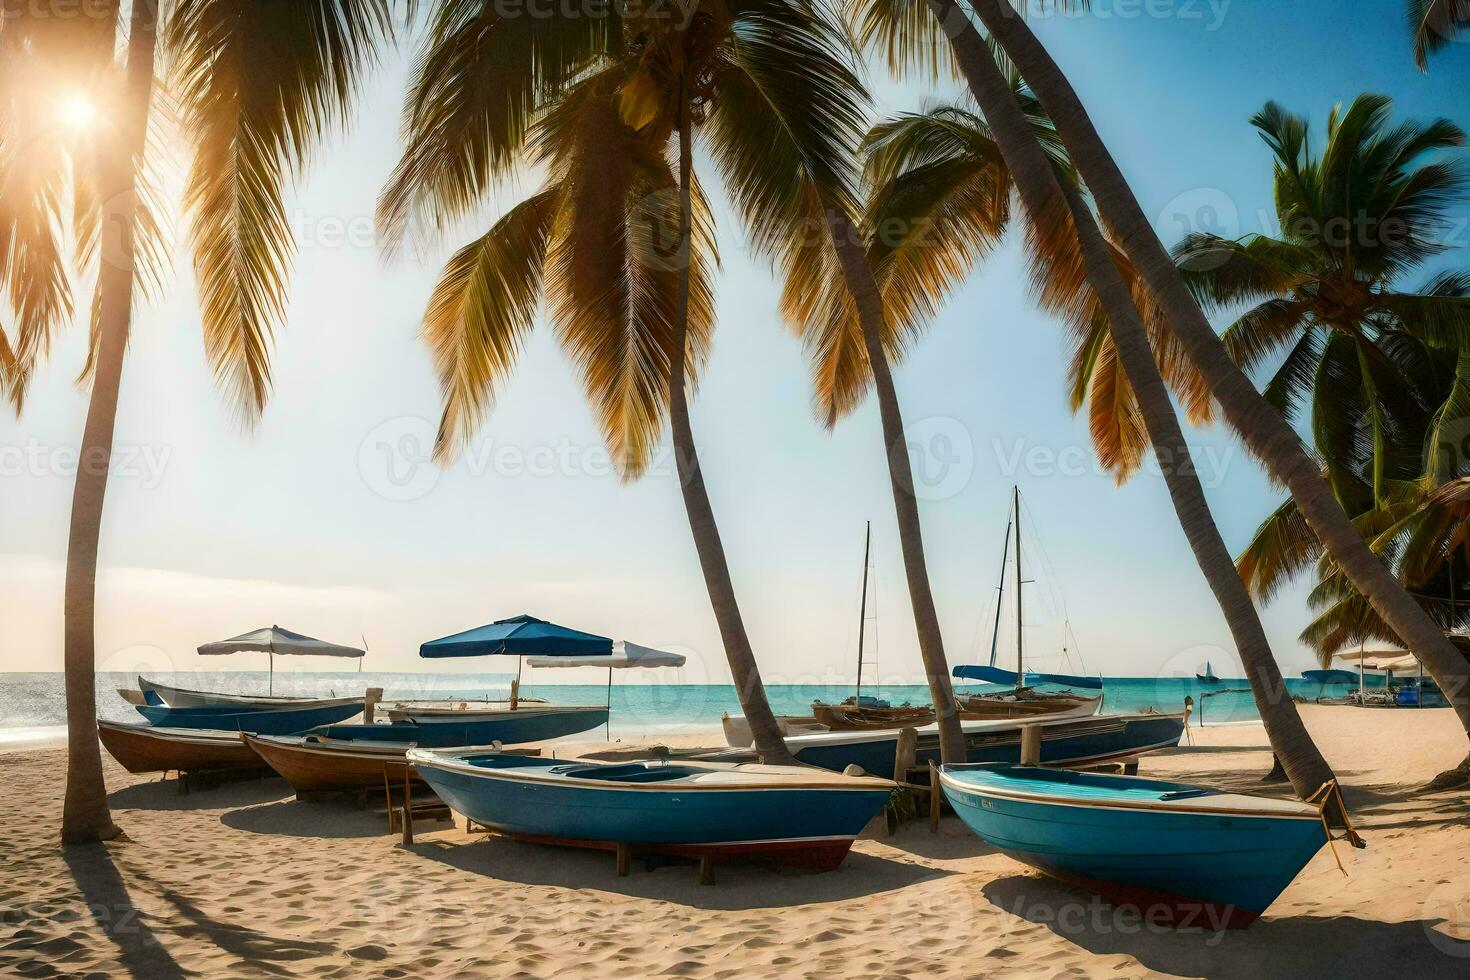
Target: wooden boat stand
405 809
212 777
797 854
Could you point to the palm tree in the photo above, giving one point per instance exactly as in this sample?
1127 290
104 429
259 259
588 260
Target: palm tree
1265 432
256 86
941 175
1434 24
1327 302
766 83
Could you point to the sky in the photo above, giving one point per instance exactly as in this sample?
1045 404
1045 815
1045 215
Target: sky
328 518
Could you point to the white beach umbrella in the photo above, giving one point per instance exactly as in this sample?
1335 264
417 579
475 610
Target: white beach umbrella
623 655
276 640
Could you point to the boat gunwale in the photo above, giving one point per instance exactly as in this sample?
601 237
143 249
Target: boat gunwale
947 778
168 732
430 759
980 727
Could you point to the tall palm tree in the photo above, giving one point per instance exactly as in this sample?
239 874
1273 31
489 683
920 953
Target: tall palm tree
1434 24
942 175
764 82
1326 291
1263 429
256 86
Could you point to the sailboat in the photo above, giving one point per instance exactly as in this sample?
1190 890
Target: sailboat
1208 677
1022 701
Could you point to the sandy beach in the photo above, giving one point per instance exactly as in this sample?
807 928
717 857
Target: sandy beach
243 880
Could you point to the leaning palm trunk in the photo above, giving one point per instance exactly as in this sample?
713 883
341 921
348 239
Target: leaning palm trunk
85 815
1264 430
858 275
749 688
1048 201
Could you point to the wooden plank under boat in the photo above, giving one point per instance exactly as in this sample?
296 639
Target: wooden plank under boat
1181 854
146 748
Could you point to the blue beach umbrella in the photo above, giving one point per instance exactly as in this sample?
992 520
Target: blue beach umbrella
548 645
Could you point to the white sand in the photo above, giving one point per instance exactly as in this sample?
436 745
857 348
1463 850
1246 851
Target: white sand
242 880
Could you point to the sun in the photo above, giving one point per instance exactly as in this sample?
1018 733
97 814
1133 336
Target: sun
77 112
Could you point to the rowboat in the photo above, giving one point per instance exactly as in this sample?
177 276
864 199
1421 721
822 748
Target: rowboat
1064 742
144 748
700 808
505 724
1182 854
182 697
312 763
291 720
1024 703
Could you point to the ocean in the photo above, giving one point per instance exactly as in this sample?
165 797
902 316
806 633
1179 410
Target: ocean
33 705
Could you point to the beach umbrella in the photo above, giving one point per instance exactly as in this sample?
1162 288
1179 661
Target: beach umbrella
275 640
624 655
540 643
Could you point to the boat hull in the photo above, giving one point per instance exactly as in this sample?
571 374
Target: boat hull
144 748
1084 741
979 707
315 766
266 721
506 727
813 827
1206 869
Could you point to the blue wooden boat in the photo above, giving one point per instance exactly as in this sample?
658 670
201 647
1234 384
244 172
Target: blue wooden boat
1184 854
503 724
707 809
260 721
1064 742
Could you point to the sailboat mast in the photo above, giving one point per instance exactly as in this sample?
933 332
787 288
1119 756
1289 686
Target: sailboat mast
1020 626
1000 590
863 608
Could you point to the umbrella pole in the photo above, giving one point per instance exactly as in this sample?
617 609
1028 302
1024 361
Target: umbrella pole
607 726
270 684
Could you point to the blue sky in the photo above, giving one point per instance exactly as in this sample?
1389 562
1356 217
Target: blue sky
211 531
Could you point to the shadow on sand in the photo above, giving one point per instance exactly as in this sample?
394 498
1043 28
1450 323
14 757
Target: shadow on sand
1286 945
165 794
740 885
113 912
331 818
251 945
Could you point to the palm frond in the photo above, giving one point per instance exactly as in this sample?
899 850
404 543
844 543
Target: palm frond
909 37
481 312
613 279
481 77
259 85
1283 546
785 122
1434 24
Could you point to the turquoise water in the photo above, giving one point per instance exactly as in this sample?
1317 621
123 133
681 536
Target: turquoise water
37 700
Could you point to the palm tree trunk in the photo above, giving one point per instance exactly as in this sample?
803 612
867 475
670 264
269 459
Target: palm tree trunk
769 744
858 275
85 813
1045 196
1265 432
